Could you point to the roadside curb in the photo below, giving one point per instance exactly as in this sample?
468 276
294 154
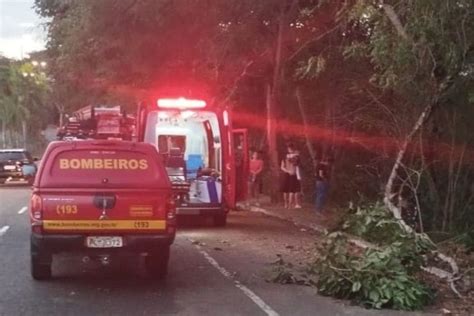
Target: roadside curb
310 226
315 227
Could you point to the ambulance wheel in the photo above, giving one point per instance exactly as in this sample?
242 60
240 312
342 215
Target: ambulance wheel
40 271
220 220
156 263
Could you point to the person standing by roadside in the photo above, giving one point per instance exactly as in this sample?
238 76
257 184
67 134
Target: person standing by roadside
290 185
322 184
299 194
255 175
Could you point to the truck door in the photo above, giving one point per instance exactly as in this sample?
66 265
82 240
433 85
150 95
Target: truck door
241 162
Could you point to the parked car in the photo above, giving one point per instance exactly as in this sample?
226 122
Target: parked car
100 198
17 165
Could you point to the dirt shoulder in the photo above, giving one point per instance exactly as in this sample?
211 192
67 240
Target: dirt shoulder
249 245
446 301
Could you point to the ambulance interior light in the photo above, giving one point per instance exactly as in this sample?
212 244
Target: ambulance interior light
181 103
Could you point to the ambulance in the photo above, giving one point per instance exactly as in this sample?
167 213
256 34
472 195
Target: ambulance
206 159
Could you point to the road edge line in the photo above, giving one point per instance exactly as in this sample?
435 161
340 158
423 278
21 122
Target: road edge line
248 292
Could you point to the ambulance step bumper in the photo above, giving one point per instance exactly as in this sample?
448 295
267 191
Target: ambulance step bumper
199 210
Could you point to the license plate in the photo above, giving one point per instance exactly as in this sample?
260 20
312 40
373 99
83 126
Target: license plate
104 242
9 167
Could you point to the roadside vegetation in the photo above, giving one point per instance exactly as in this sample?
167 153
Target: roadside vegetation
24 111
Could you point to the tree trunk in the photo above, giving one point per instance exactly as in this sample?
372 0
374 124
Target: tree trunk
16 137
309 144
389 195
272 97
61 119
4 135
9 142
272 144
61 114
452 204
24 133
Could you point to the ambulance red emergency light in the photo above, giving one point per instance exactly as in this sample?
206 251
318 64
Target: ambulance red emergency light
202 153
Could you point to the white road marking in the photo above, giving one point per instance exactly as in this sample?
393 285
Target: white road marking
248 292
3 230
22 210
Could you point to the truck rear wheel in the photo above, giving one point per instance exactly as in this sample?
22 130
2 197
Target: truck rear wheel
39 270
220 220
40 262
156 262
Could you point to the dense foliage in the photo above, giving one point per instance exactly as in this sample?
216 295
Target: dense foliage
384 275
377 278
24 112
355 75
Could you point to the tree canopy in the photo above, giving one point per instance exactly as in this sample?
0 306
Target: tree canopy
367 79
23 94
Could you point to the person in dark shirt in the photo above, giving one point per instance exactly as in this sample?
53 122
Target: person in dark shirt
322 174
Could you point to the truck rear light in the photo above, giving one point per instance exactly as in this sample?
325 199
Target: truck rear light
36 206
36 213
37 227
170 215
171 209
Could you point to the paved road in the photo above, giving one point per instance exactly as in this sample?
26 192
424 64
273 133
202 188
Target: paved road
213 271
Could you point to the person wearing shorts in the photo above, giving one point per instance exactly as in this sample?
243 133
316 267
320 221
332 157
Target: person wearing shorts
290 182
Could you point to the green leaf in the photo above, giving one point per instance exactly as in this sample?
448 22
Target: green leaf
356 286
374 296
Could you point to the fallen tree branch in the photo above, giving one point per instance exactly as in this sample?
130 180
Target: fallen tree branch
440 273
450 261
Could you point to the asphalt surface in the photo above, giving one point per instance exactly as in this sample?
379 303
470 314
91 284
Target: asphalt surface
213 271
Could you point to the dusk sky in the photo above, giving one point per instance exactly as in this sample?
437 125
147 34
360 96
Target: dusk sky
21 31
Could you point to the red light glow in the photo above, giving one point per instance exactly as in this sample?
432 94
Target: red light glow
181 103
226 118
